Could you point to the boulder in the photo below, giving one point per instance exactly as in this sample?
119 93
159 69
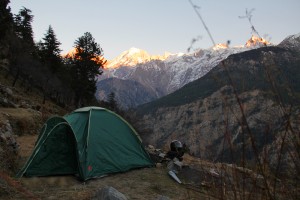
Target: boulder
7 136
109 193
161 197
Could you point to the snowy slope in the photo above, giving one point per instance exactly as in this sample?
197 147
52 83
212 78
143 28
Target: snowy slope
291 42
167 73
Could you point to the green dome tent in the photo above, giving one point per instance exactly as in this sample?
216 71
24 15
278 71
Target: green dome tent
91 142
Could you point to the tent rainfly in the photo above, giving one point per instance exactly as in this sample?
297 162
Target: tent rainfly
89 142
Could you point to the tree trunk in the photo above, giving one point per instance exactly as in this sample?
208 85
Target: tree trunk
45 91
16 77
44 99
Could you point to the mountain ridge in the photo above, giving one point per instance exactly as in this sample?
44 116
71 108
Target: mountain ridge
164 76
135 56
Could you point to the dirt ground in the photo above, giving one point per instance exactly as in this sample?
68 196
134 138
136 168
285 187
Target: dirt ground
201 180
147 183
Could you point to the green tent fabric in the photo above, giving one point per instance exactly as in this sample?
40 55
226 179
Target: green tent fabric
89 142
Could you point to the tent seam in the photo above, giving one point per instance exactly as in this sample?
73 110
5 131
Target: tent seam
88 136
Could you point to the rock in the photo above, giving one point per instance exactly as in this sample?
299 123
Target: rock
7 136
151 147
6 92
9 91
213 172
109 193
161 197
4 102
24 104
8 127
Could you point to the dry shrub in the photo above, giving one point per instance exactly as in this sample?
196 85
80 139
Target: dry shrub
8 157
9 187
8 165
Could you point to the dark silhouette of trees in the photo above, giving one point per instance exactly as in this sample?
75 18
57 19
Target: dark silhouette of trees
67 81
6 30
20 44
85 64
6 19
112 103
49 51
49 54
23 28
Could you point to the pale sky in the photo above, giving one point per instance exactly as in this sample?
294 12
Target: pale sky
160 25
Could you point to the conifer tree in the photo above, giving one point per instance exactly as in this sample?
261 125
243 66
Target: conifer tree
86 64
23 28
49 50
6 19
112 102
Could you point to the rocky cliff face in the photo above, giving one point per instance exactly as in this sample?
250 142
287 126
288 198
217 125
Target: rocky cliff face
131 93
210 125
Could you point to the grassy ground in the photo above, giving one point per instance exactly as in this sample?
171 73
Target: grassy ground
148 183
200 181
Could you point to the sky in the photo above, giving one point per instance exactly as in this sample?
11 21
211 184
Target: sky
159 26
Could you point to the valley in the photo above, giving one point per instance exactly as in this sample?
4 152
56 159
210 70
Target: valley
235 113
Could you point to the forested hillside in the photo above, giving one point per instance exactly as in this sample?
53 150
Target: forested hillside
69 81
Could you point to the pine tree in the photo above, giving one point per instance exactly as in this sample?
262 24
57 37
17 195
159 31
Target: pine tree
86 64
23 28
6 19
112 102
49 50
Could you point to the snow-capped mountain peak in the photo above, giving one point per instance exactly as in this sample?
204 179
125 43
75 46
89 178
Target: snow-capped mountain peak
164 74
220 46
128 58
197 63
132 57
133 51
256 42
291 42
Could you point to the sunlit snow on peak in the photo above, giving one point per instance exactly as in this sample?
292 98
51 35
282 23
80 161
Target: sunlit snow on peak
132 57
220 46
256 41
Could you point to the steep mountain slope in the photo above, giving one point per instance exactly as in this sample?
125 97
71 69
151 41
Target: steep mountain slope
132 92
247 71
207 116
165 74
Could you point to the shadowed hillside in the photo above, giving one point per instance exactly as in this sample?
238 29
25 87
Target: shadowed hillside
248 70
244 111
